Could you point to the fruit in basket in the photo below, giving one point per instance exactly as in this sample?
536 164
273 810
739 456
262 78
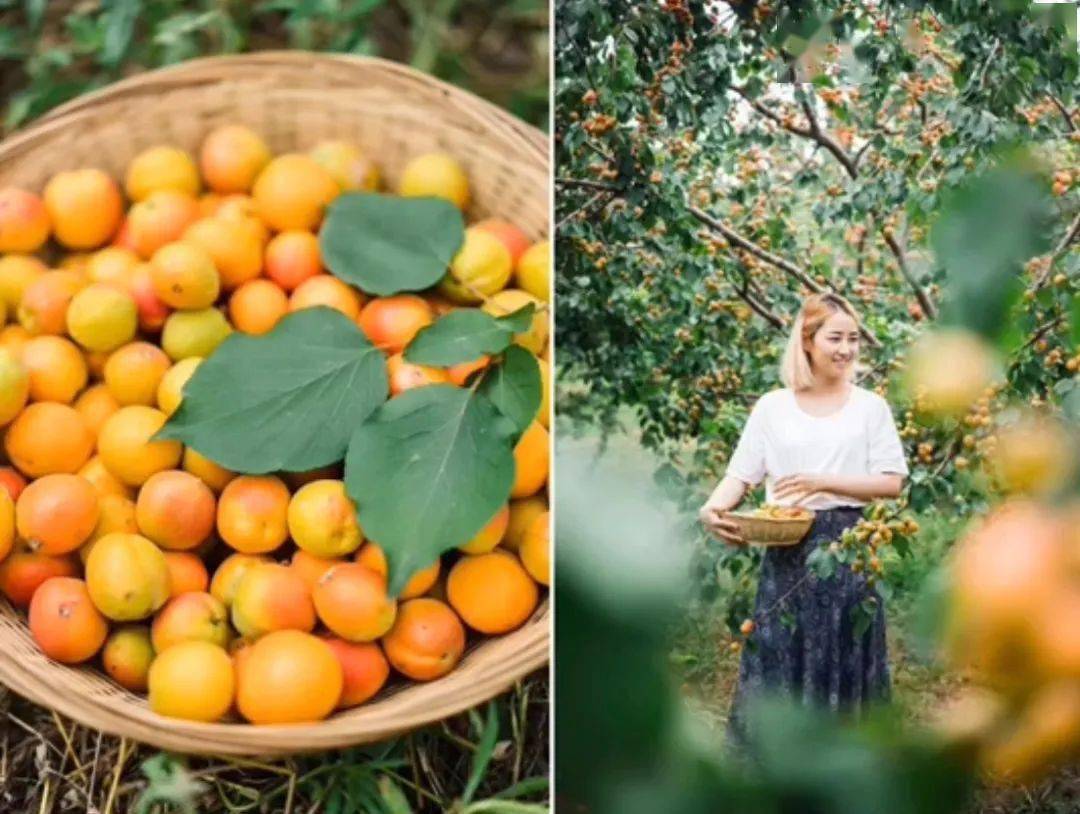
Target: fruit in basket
426 641
57 513
14 387
532 270
322 519
127 577
364 670
481 267
85 207
102 317
492 592
126 447
269 597
292 192
351 600
190 617
231 158
47 437
346 164
436 174
162 167
127 656
289 677
292 257
64 621
192 680
422 581
24 223
774 512
176 510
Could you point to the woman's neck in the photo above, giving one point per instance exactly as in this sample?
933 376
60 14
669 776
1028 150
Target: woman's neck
828 387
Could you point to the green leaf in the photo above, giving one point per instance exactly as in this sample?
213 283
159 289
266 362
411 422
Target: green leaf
392 797
386 244
119 26
482 755
514 386
427 471
1074 319
288 400
460 336
520 320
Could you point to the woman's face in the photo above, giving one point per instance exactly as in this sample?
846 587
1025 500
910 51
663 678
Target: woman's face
835 347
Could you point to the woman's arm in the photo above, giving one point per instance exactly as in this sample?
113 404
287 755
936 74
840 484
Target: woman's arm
860 487
726 496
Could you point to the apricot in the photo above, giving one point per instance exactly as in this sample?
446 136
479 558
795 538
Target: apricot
85 207
11 482
373 557
351 601
175 510
507 302
126 449
160 219
193 680
322 519
231 158
289 677
490 535
292 192
152 311
14 387
426 641
406 375
242 207
194 333
171 387
13 338
113 266
7 523
948 369
532 271
511 236
56 369
64 622
234 244
364 670
257 306
57 513
230 572
95 405
390 323
213 475
459 374
101 317
127 655
47 437
127 576
186 573
480 268
531 460
44 304
184 276
24 223
322 289
190 617
292 257
134 372
348 166
161 167
103 481
535 550
17 271
271 596
116 513
522 512
24 570
311 568
436 175
252 513
492 592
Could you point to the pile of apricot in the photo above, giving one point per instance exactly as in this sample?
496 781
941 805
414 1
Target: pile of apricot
216 592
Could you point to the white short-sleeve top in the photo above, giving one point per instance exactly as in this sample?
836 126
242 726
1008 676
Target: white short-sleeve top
780 438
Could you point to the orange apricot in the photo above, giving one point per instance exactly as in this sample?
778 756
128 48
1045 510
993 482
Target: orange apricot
535 550
426 641
134 372
492 592
292 192
234 244
490 535
459 374
116 513
45 301
184 276
24 223
364 670
193 680
190 617
64 622
257 306
271 596
57 513
57 369
390 323
231 158
175 510
161 167
522 512
104 481
14 386
213 475
351 601
7 523
17 271
47 437
322 289
24 570
230 572
127 655
85 207
160 219
292 257
406 375
531 461
252 513
126 449
372 556
112 265
11 481
311 568
289 677
186 573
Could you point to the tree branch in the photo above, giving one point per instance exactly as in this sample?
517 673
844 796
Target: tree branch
1071 234
584 183
1064 112
602 196
925 302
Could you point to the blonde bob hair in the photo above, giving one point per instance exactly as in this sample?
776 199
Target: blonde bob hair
795 370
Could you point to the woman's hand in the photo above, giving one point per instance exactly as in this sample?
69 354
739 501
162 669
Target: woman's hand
798 487
719 525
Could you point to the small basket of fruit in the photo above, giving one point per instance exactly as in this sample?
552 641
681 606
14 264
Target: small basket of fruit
256 304
774 525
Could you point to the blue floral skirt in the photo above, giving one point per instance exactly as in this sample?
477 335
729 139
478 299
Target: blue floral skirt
803 644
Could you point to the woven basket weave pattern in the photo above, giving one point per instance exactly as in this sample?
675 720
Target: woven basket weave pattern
772 530
293 100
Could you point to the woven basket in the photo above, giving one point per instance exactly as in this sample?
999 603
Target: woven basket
773 531
293 100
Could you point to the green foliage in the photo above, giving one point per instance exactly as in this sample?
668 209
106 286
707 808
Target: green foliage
284 401
514 387
466 335
385 244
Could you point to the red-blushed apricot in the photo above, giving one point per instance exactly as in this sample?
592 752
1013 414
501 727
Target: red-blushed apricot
311 568
57 513
322 289
292 257
406 375
187 573
390 323
127 655
252 513
426 641
271 597
230 572
24 570
512 237
190 617
176 510
231 158
46 438
64 622
24 222
364 670
351 600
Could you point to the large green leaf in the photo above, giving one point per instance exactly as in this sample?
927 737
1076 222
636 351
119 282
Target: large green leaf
514 386
427 471
460 336
385 244
288 400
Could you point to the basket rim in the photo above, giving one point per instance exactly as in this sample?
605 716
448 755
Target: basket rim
524 650
777 521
